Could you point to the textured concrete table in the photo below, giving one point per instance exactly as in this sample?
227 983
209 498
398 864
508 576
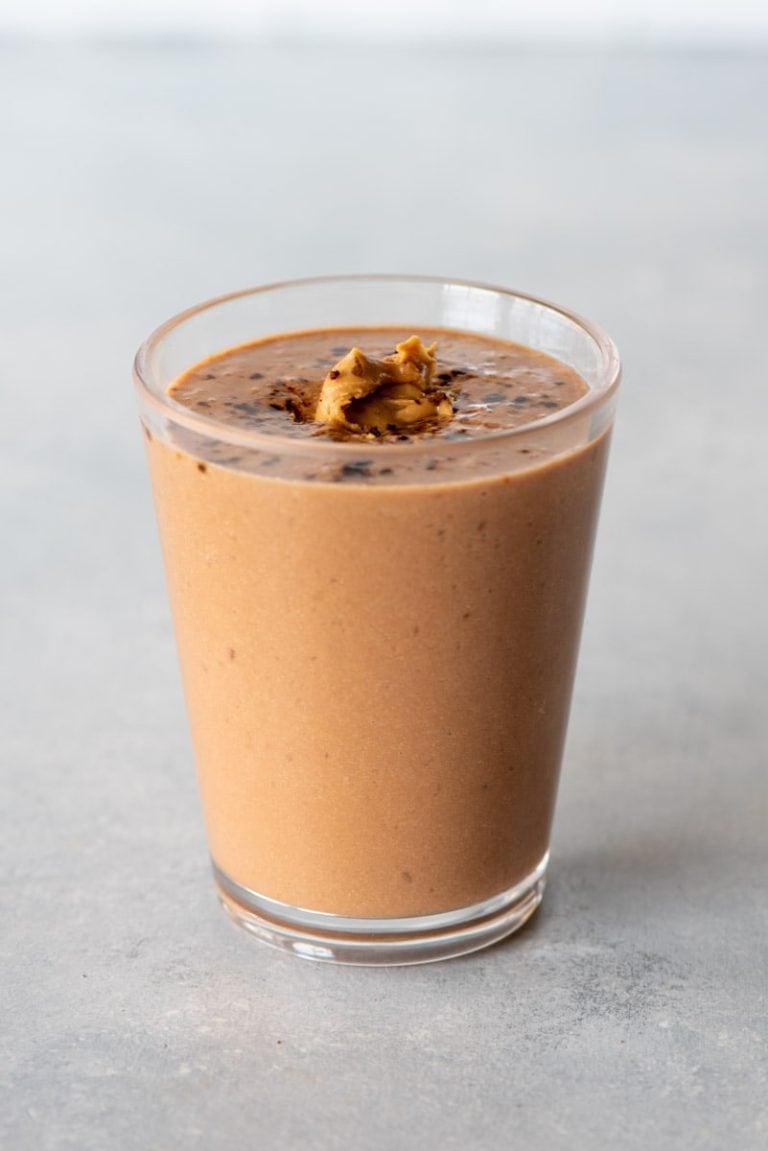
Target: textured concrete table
137 179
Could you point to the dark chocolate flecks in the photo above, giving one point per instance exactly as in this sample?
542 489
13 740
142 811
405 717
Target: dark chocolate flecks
356 469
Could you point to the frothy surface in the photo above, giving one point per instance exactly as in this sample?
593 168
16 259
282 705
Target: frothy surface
274 384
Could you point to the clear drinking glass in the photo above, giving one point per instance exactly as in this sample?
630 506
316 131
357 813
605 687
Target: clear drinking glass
377 672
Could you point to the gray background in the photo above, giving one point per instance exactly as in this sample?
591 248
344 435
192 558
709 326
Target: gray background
631 184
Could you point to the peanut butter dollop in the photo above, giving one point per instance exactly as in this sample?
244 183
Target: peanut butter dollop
394 394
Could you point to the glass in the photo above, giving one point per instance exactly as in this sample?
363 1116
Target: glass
377 672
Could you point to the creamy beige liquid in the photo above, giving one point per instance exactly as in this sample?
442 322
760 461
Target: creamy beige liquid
377 663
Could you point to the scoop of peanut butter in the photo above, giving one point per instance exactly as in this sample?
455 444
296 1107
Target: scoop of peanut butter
395 394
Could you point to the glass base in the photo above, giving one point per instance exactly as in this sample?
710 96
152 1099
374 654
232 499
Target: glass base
382 942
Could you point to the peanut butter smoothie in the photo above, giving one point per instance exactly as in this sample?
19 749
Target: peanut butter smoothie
377 498
377 653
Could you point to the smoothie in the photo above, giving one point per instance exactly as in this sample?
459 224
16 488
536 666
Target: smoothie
378 648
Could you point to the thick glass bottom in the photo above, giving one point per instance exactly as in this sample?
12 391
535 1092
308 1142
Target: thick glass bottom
382 942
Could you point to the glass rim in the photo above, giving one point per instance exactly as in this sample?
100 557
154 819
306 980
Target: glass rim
208 426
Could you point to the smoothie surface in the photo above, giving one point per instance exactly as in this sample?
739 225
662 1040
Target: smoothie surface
275 385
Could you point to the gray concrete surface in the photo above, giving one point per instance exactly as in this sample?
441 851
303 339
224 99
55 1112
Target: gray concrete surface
137 179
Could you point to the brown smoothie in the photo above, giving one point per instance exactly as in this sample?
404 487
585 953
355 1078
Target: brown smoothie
378 653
